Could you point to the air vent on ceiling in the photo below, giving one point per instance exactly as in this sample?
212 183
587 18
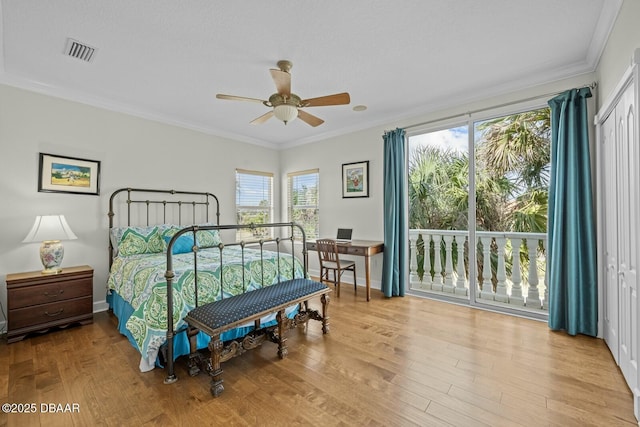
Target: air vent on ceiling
75 49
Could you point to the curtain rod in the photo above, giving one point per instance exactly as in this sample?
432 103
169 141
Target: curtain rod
592 85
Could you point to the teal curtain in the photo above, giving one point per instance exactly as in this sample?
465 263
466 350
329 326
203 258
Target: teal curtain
396 227
571 253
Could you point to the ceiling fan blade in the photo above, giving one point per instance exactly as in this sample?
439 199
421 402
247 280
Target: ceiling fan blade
263 118
239 98
282 79
336 99
309 119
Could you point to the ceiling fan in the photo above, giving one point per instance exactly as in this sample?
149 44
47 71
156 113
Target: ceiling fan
286 106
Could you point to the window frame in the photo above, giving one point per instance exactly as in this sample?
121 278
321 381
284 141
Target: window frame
269 210
315 207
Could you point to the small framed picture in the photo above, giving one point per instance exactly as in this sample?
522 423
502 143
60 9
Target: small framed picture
355 179
59 174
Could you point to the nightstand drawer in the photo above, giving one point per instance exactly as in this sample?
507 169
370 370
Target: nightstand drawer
52 313
43 294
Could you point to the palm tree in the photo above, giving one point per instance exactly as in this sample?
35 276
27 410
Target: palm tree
518 146
430 194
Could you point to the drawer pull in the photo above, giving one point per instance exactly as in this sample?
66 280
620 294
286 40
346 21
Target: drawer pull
60 292
54 314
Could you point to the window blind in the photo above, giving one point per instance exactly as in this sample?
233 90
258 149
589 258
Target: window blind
254 202
303 201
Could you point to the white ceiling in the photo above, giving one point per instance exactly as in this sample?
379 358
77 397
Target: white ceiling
166 59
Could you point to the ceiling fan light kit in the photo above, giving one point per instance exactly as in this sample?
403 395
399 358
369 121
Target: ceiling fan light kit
285 112
286 106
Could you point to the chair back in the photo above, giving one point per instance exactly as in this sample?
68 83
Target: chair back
328 251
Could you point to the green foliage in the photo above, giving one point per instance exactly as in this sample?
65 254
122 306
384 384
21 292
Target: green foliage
518 146
303 210
308 219
512 164
438 182
248 217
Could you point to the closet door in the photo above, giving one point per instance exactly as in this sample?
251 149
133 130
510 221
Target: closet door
609 181
628 186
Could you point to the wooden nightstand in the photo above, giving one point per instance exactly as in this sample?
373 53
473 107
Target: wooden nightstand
37 302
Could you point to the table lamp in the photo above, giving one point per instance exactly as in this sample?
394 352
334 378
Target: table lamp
50 230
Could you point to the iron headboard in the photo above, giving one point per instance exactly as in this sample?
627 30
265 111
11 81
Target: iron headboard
165 206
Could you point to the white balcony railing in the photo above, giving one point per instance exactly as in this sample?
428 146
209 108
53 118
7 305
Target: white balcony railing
501 277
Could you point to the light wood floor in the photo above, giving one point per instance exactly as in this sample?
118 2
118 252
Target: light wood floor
400 361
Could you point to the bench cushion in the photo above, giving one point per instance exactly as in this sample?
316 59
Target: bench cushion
233 309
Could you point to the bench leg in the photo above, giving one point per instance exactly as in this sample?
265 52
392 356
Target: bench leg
282 339
216 346
194 357
306 310
325 299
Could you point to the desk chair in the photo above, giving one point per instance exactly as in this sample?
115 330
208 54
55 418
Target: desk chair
330 261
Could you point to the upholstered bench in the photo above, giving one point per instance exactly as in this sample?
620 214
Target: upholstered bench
219 316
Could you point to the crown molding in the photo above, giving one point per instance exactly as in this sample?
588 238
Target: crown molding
82 98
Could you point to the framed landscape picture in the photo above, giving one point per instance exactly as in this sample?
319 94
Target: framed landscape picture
355 179
58 174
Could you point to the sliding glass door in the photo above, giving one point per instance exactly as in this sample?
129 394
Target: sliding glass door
439 211
478 221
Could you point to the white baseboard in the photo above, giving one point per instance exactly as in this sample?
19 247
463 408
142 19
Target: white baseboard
100 306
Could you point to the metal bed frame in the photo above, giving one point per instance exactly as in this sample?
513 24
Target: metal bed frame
162 204
198 201
171 377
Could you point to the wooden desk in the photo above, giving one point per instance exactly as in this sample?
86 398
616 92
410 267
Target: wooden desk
364 248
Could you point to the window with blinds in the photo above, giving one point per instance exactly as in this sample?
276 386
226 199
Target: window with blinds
303 202
254 202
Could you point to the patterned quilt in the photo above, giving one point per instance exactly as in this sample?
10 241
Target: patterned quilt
139 279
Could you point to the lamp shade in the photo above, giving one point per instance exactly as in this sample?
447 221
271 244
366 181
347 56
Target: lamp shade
50 227
285 112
